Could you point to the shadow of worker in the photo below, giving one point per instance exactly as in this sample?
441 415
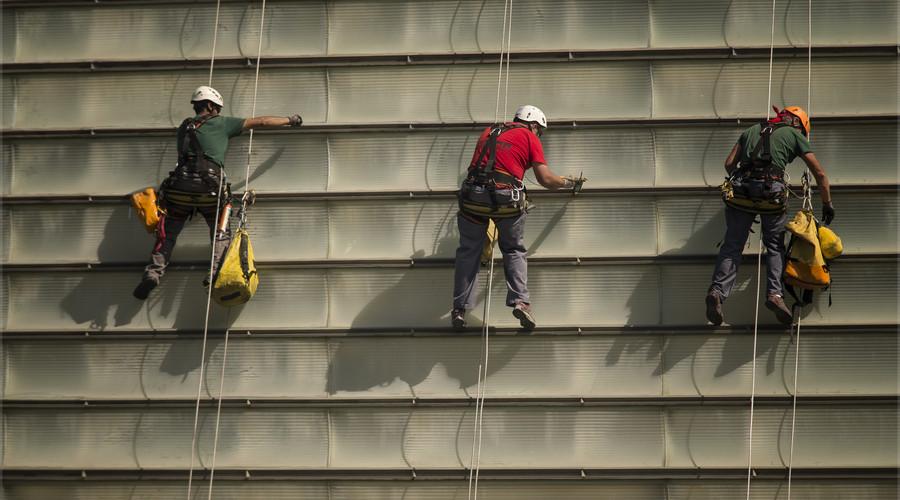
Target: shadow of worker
363 362
99 293
707 228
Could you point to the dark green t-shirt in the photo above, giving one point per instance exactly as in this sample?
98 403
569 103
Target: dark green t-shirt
786 144
213 136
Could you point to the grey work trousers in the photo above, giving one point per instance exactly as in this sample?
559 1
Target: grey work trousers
170 226
737 231
472 235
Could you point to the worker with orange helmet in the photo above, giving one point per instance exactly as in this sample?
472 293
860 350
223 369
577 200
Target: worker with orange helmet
756 186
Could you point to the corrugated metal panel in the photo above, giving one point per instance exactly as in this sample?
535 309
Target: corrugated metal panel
464 92
457 490
694 156
707 437
627 365
844 86
366 28
609 157
158 99
713 437
473 26
614 226
152 32
743 23
591 295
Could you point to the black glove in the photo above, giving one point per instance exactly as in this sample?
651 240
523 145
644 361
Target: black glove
827 213
295 121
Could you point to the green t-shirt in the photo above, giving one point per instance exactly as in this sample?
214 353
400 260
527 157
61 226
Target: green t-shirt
785 144
214 134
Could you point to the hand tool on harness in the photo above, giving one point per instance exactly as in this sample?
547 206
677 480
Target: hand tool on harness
195 180
147 207
757 185
487 192
237 279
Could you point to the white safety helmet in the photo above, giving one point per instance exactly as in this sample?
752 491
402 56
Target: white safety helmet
529 113
204 93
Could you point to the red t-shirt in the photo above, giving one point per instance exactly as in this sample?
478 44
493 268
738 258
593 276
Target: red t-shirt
517 150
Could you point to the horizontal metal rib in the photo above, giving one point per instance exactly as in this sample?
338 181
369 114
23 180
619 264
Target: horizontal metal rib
873 258
457 58
19 133
854 401
540 331
442 194
487 474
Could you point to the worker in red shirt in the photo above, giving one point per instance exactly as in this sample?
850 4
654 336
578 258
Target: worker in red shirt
494 190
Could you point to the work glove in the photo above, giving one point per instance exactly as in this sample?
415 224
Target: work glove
295 121
827 213
574 183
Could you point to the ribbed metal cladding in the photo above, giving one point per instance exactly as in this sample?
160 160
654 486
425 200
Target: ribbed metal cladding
589 226
565 295
387 438
341 373
817 489
613 157
553 366
318 28
460 92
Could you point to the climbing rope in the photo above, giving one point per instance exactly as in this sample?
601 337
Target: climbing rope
212 258
243 214
759 277
807 205
475 461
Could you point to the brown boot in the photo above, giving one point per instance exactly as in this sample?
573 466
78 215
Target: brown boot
776 304
714 308
522 312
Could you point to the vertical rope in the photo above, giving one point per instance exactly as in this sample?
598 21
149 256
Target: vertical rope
807 204
794 408
759 276
477 434
212 470
753 371
508 45
212 257
500 72
212 58
771 61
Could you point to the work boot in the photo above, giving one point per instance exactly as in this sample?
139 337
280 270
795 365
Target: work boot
142 291
458 319
776 304
522 312
714 308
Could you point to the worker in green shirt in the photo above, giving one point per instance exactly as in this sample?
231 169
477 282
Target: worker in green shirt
198 183
756 186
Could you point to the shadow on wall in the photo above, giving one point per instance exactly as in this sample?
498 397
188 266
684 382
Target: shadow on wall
372 371
105 298
735 353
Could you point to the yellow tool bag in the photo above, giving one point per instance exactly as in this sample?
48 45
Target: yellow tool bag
237 278
144 203
831 244
805 267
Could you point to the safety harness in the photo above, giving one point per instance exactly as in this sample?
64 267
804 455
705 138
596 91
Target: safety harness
757 185
487 192
195 180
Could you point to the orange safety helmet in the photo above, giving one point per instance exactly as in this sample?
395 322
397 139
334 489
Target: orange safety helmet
801 114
